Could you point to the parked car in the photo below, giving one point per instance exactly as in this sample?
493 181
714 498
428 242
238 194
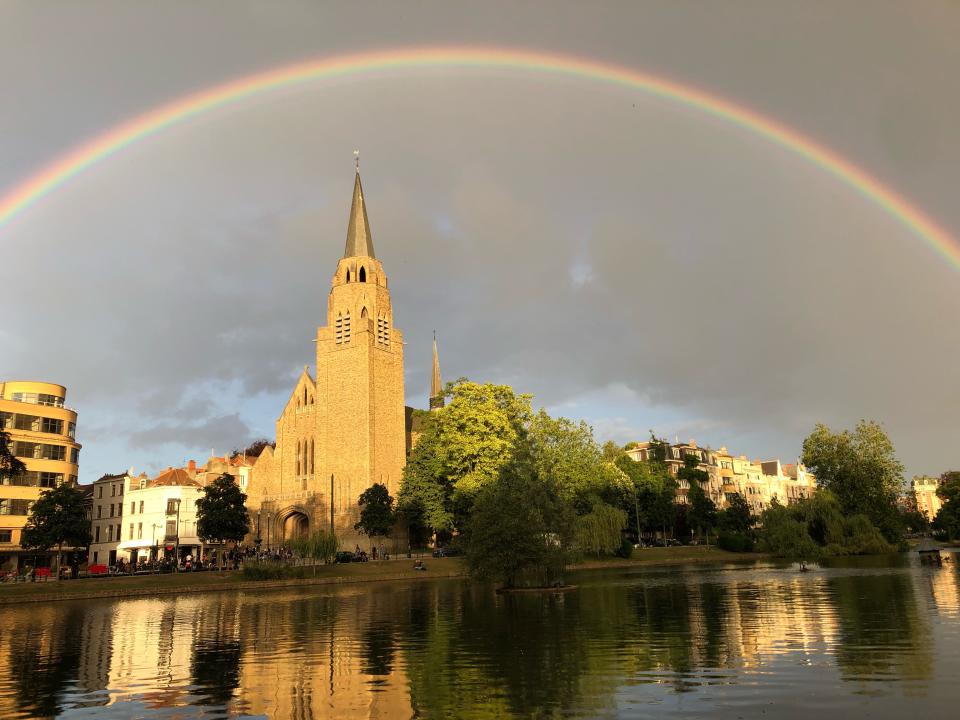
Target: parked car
344 556
447 552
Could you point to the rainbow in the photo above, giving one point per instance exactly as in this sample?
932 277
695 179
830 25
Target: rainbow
142 127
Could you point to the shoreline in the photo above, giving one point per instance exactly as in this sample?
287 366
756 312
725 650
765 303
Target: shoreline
354 573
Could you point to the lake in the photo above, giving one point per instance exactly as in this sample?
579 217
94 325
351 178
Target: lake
865 638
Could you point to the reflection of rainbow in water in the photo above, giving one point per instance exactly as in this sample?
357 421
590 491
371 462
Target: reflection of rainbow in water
152 122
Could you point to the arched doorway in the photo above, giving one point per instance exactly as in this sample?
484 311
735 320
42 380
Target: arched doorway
294 525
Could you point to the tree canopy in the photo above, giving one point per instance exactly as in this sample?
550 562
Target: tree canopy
221 511
376 511
861 470
520 529
58 518
947 521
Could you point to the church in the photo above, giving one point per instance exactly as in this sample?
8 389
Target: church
346 427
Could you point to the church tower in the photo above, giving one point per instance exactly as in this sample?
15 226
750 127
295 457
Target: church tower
359 381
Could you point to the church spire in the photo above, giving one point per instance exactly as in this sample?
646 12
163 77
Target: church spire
436 385
359 239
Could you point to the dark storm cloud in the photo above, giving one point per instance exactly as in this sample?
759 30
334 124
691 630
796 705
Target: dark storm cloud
575 240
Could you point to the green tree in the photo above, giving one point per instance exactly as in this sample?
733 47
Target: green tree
376 511
702 513
520 529
599 531
860 468
58 518
911 518
947 521
10 465
736 517
567 453
222 513
786 537
463 447
321 545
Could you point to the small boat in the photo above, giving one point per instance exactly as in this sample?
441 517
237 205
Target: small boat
929 552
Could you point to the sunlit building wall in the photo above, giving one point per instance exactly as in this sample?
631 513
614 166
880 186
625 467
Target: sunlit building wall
42 431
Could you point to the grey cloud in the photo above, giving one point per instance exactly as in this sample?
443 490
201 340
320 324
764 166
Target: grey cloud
561 235
222 433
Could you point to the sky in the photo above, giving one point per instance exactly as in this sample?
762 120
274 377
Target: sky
629 261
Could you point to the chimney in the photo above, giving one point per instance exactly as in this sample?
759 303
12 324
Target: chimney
192 466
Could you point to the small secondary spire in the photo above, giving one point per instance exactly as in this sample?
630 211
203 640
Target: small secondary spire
436 385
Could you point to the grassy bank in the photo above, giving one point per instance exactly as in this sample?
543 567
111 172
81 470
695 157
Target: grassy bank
390 571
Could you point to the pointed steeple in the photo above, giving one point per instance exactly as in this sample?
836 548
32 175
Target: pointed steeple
436 385
359 239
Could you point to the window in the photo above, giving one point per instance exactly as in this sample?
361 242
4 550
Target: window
312 456
6 419
348 274
118 532
99 511
6 536
133 507
72 429
74 456
338 329
121 489
38 399
109 533
139 531
172 506
171 528
141 507
113 491
111 509
10 506
100 492
54 452
131 532
26 422
51 425
363 274
96 532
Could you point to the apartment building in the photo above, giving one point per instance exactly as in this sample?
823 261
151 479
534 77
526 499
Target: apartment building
42 431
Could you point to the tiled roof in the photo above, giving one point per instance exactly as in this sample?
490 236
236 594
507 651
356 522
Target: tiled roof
173 477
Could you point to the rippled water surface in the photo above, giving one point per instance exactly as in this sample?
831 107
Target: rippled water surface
874 638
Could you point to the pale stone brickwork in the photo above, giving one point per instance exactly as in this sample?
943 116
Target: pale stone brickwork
346 424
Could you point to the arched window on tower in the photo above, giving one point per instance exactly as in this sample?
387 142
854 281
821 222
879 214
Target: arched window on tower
338 329
346 327
363 274
363 314
348 274
313 457
304 395
298 457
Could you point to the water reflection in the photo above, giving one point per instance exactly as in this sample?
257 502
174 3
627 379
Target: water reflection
865 638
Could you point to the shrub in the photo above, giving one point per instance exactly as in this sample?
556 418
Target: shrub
735 541
272 571
626 549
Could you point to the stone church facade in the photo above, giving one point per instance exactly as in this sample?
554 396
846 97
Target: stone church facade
346 427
